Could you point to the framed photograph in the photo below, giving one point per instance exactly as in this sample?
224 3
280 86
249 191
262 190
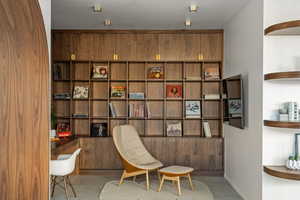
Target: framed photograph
234 106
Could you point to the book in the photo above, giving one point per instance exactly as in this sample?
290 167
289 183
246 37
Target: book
136 95
80 115
112 110
206 128
174 91
192 109
99 129
212 73
211 96
148 110
81 92
174 129
155 72
57 72
136 110
63 129
62 96
100 72
117 91
197 78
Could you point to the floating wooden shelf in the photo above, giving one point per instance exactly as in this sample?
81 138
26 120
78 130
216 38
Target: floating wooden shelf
280 124
282 172
292 75
286 28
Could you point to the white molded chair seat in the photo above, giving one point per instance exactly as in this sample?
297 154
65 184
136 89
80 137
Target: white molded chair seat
63 167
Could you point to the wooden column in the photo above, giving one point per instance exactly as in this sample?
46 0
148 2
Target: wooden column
23 102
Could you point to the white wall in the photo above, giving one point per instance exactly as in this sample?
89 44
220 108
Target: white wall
243 55
281 53
46 11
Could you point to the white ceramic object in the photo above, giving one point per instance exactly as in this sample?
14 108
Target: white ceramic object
293 164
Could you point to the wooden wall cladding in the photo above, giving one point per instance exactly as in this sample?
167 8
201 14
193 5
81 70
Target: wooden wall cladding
203 154
170 45
24 102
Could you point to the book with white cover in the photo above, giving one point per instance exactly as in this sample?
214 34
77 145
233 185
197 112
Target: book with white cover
112 110
206 127
212 96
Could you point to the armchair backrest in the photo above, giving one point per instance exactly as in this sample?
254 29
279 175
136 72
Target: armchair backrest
130 146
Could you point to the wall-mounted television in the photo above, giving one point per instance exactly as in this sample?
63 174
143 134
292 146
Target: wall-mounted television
234 101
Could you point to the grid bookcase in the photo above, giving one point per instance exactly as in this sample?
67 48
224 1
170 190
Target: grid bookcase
133 76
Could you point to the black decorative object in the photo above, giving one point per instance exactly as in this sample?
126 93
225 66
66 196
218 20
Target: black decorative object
98 129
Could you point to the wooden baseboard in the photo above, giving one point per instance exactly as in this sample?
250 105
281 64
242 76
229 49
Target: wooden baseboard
102 172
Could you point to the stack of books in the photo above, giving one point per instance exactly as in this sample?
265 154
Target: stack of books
136 110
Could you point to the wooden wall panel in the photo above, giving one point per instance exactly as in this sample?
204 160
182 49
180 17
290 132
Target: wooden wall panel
24 102
147 46
108 46
126 46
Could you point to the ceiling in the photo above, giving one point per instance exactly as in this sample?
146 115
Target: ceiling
143 14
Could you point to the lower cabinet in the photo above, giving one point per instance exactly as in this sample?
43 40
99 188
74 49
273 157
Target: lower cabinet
205 154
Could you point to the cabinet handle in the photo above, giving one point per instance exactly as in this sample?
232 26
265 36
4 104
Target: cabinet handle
157 57
200 57
116 57
73 57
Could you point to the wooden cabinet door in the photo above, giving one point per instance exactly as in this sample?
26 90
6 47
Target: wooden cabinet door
126 46
98 153
211 46
171 46
97 51
192 43
147 46
108 46
61 46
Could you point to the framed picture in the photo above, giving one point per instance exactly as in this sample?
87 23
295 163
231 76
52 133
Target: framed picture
174 91
234 106
155 72
99 129
81 92
192 109
100 72
174 129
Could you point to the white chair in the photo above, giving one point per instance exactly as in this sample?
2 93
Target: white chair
63 167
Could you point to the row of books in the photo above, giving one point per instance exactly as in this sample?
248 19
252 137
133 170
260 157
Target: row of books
192 110
174 129
119 92
153 72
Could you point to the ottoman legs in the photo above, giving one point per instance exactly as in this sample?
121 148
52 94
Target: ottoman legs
175 179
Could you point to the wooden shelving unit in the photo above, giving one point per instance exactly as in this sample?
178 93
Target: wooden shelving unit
280 124
282 172
285 28
133 76
291 75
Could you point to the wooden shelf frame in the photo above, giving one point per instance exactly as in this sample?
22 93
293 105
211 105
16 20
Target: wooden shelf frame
291 75
144 122
280 124
285 28
282 172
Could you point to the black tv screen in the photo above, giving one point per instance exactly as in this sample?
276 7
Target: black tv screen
233 101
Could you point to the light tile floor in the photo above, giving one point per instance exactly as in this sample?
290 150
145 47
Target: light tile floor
88 187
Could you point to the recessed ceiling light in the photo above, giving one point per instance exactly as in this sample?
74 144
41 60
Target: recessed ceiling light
107 22
97 8
188 23
193 8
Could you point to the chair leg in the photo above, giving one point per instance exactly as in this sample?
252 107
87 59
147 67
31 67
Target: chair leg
158 176
134 178
122 177
191 183
66 187
71 186
147 179
53 185
161 183
178 186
